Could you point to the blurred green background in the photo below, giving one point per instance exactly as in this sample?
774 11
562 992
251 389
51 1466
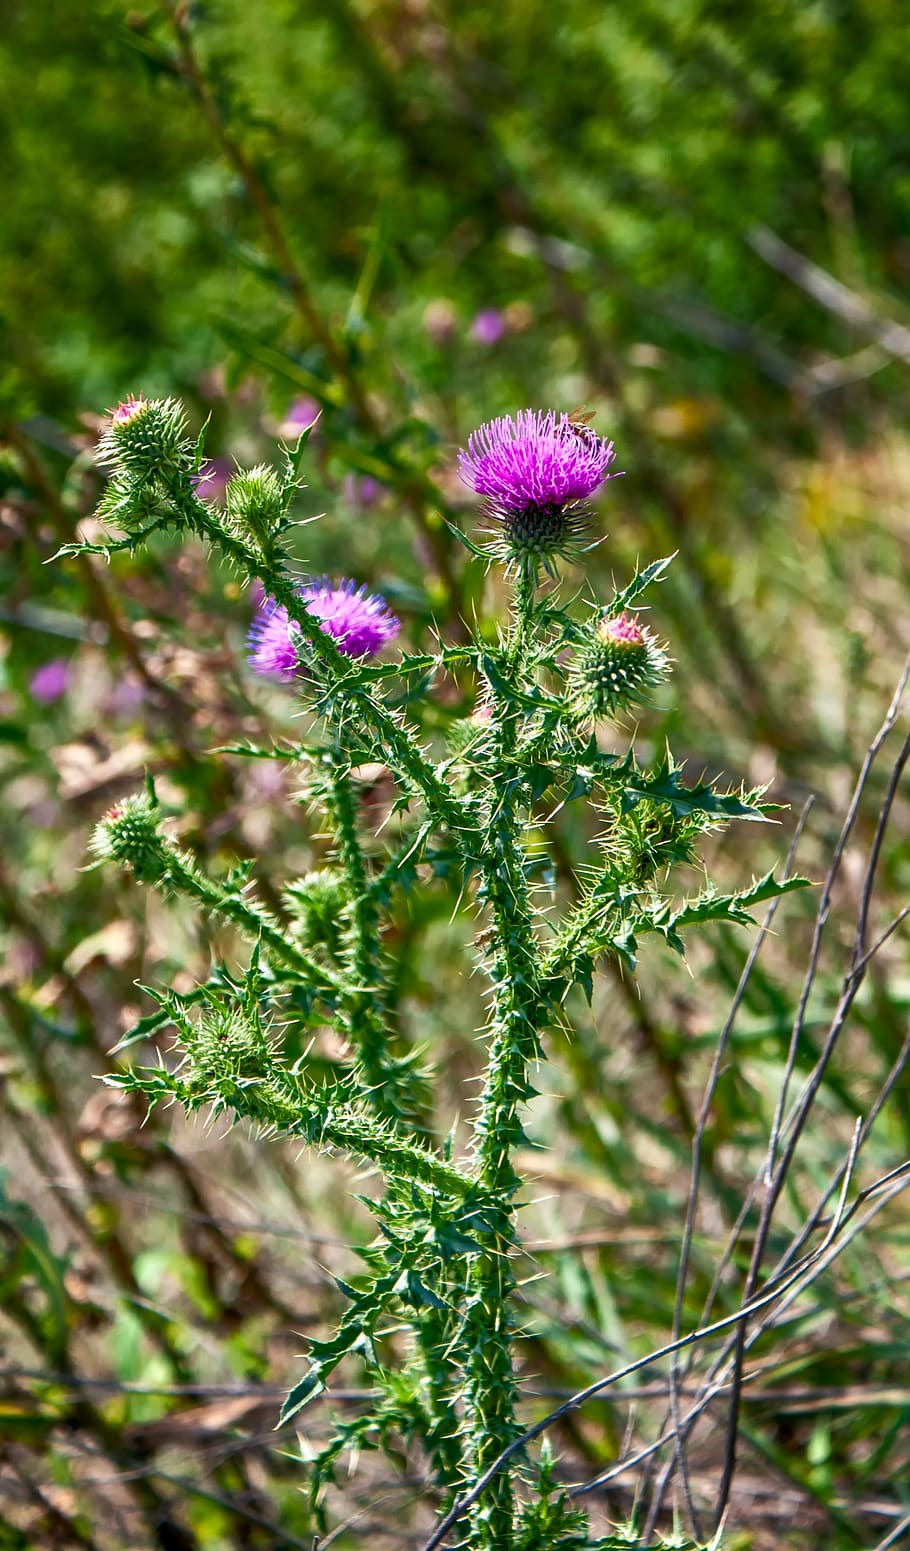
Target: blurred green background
694 219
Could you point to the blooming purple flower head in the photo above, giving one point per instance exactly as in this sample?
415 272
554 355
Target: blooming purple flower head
358 622
50 681
535 470
302 413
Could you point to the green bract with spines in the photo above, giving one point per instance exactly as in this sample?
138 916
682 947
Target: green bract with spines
130 833
255 503
316 903
254 1048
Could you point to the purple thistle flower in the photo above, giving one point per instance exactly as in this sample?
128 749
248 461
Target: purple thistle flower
358 622
363 490
616 666
535 459
535 470
488 326
50 681
302 413
623 630
271 650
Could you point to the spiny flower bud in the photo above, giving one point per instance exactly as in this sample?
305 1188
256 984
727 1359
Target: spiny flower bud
255 504
129 834
617 665
316 903
147 436
227 1044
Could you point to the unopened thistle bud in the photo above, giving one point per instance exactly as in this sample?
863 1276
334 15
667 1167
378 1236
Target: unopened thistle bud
226 1044
255 504
147 436
616 666
316 903
536 472
130 834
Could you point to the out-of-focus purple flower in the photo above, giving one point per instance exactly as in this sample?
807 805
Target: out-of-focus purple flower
488 326
265 778
50 681
535 470
439 320
271 650
212 480
126 696
358 621
303 413
362 490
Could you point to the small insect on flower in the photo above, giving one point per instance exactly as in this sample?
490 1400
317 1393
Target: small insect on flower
581 421
536 471
358 621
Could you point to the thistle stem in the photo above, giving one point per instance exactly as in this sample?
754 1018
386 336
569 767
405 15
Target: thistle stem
515 971
390 1094
363 1000
184 877
281 1102
526 580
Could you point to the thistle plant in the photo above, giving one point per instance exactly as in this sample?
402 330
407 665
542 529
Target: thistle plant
441 1270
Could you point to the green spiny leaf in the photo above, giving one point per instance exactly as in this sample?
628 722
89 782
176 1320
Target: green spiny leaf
665 785
711 906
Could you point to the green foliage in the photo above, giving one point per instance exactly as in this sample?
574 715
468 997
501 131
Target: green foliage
28 1255
315 904
549 1522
